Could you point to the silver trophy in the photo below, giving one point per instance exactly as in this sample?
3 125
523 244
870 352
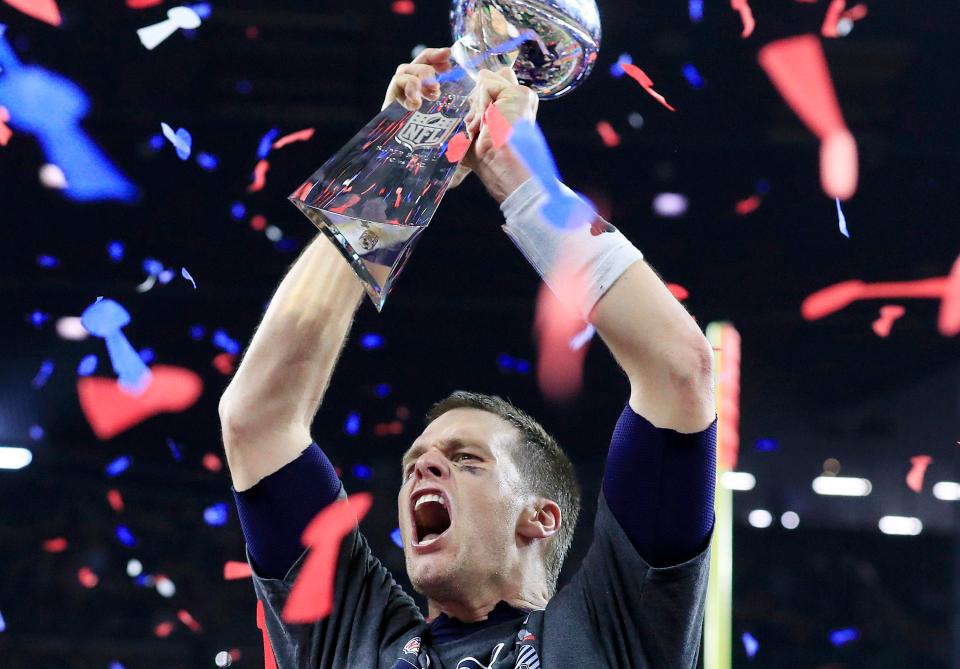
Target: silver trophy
377 194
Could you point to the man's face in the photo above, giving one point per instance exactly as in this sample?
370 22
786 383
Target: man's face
459 503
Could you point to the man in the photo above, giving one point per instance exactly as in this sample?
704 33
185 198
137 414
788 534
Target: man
488 501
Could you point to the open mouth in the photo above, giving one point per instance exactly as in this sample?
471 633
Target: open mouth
431 518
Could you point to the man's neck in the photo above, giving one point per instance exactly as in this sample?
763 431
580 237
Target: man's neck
475 611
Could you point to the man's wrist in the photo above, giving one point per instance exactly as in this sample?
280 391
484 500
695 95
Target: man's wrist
501 173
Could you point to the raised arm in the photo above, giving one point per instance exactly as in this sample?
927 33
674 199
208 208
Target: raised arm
267 409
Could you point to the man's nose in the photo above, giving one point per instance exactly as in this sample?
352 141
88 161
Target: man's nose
432 464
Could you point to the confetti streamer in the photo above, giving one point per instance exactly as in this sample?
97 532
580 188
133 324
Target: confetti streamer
117 466
918 468
105 318
259 176
832 18
750 644
186 275
298 136
56 545
844 636
888 314
189 621
838 296
746 16
143 4
174 449
457 147
641 78
311 598
843 220
234 570
177 18
225 342
115 499
110 410
181 140
748 205
266 142
607 134
43 374
42 10
559 365
269 661
87 578
497 125
5 132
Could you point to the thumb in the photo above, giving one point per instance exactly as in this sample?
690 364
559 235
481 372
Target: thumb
508 74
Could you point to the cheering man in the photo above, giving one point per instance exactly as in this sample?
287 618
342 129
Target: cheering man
488 501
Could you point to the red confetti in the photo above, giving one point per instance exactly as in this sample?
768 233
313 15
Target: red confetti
384 429
234 570
352 199
888 315
497 125
312 595
608 134
746 16
5 132
403 7
559 368
457 147
189 620
298 136
641 78
258 222
115 500
678 291
163 630
856 12
269 661
42 10
212 462
259 176
56 545
252 32
919 464
143 4
832 18
87 578
834 298
748 205
223 362
110 410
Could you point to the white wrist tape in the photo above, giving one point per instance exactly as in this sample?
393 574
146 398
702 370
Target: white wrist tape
578 263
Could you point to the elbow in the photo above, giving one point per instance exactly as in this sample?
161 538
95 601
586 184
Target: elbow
695 386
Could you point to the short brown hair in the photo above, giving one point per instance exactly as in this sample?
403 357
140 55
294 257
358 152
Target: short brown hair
544 468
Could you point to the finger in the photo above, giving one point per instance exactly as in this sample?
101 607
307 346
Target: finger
405 89
426 73
508 74
438 58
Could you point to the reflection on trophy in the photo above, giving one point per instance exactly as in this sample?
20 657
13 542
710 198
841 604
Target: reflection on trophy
377 194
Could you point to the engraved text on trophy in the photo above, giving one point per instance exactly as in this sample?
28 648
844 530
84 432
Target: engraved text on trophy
424 131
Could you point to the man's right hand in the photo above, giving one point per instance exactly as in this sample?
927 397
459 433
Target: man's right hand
418 79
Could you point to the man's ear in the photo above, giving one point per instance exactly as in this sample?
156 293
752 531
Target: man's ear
540 519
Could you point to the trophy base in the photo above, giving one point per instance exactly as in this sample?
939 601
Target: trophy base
377 252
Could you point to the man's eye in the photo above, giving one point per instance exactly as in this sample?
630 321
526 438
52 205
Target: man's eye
464 455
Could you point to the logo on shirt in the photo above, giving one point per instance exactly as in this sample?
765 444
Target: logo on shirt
412 647
525 635
527 658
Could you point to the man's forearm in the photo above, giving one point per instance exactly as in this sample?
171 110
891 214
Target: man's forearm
287 367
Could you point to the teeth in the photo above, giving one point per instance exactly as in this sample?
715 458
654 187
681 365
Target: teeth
429 497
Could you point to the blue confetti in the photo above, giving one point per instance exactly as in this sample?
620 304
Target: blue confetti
202 9
105 318
116 665
362 472
750 644
522 366
152 266
43 374
238 211
3 623
397 538
165 277
186 275
36 432
382 389
692 75
118 465
217 514
156 141
147 355
244 87
223 341
181 140
695 10
115 250
266 142
504 361
51 107
371 341
174 449
352 425
47 261
766 445
843 221
125 536
207 161
197 332
616 70
844 636
38 318
88 365
286 244
762 187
